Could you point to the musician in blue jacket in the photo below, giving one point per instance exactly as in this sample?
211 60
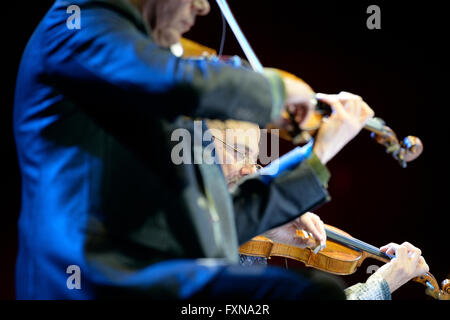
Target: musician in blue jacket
106 212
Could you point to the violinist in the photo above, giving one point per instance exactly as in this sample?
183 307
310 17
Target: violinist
408 262
105 210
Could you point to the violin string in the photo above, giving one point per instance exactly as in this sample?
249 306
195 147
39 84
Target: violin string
363 246
242 40
224 33
355 243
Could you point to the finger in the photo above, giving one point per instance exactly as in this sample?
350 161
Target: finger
401 253
389 248
348 95
414 253
414 257
357 109
423 266
321 227
391 251
333 101
310 227
366 112
297 223
300 221
350 106
412 248
303 239
386 247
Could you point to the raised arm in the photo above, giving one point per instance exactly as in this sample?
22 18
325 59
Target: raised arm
113 60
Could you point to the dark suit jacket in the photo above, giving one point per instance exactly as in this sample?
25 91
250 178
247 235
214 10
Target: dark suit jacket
94 112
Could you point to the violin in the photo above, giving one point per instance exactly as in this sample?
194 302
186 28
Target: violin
342 255
403 151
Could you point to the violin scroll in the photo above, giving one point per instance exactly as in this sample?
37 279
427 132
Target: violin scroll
433 289
405 151
412 147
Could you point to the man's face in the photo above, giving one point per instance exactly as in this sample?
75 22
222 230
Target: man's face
173 18
237 150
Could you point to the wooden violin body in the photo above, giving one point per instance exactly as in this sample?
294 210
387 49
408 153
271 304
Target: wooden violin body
335 258
342 256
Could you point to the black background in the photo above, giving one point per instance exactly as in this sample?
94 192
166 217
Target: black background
398 70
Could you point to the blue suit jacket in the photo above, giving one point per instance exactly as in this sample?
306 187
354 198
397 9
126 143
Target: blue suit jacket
94 112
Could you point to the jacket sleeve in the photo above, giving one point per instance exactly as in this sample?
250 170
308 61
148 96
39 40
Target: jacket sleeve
111 62
375 288
260 207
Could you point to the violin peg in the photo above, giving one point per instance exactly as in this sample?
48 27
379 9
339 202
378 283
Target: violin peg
446 286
